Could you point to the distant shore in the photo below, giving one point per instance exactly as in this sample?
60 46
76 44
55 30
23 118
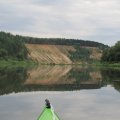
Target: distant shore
27 63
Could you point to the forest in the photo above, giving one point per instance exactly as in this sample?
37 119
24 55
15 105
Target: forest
63 41
112 54
12 47
81 54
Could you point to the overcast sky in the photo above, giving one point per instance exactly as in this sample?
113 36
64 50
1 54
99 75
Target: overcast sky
97 20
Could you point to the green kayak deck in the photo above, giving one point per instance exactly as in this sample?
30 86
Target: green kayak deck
48 114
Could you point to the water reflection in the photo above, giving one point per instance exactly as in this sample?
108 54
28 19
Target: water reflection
11 79
54 78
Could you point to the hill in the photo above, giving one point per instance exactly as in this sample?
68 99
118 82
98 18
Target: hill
62 54
49 50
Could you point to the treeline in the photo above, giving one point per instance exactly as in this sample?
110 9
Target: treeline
57 41
62 41
81 54
12 47
112 54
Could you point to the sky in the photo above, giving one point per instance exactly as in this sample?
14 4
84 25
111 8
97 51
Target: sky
96 20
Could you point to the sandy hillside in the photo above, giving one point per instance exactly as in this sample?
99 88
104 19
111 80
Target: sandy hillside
96 53
57 54
48 54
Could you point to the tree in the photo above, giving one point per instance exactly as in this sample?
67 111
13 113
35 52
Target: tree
112 54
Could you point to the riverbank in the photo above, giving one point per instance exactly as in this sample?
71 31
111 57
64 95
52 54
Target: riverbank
115 65
16 63
27 63
107 65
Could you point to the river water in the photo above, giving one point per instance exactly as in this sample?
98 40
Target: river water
76 92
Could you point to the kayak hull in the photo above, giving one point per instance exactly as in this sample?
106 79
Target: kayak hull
48 114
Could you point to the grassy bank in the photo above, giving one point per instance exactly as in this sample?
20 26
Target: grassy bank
8 63
107 65
115 65
27 63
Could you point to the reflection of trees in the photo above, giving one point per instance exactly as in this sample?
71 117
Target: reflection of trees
63 78
79 74
85 75
111 77
116 85
11 79
110 74
56 78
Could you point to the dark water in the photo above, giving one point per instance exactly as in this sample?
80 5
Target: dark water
76 92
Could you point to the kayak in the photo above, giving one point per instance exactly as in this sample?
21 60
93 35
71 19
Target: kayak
48 113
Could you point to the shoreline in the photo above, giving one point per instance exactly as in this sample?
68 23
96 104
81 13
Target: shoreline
27 63
16 63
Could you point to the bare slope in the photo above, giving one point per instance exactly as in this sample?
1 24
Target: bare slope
96 53
56 54
50 54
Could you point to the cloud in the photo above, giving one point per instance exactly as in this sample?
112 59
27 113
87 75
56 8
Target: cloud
81 19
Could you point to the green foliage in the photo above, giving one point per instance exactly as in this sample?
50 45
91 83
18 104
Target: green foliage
62 41
3 52
80 75
81 54
12 47
112 54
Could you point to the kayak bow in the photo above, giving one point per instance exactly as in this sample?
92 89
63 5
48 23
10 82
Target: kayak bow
48 113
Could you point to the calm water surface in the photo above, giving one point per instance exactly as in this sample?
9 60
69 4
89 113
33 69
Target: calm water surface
76 93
